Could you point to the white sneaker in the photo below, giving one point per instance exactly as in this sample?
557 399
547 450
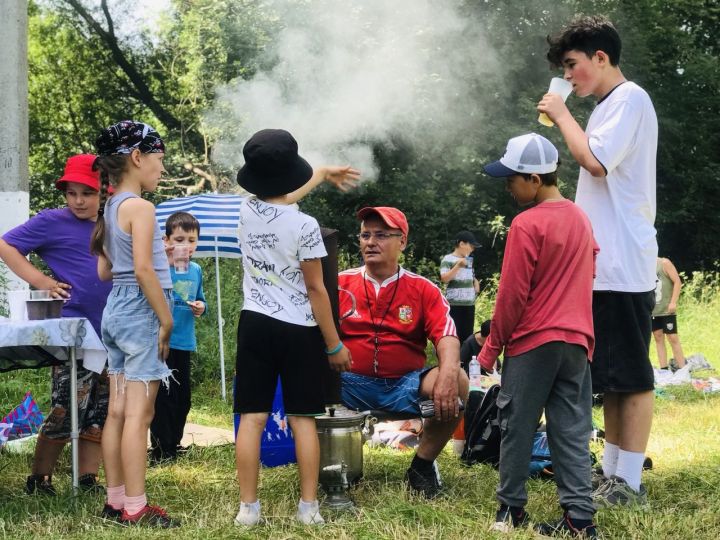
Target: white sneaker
249 514
309 513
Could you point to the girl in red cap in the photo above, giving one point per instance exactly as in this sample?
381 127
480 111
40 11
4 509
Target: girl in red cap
72 277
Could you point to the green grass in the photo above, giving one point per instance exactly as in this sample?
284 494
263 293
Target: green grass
684 487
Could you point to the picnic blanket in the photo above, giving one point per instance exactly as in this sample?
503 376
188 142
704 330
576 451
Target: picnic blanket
22 421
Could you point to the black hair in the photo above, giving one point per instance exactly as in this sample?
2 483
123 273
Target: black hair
111 169
485 328
548 179
588 34
186 221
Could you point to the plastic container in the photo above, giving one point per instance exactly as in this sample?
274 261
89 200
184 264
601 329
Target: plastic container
277 446
474 373
44 309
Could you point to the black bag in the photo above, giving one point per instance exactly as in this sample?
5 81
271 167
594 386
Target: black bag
482 428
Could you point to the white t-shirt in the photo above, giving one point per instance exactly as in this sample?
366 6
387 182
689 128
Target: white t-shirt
274 239
623 134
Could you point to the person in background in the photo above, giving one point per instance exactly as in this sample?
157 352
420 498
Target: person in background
456 269
664 317
172 406
474 344
61 238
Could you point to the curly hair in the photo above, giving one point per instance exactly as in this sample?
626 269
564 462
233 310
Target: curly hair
587 34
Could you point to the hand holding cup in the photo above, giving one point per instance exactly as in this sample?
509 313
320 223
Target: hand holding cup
560 87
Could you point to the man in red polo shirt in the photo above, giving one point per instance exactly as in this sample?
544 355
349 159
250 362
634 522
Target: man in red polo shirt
396 312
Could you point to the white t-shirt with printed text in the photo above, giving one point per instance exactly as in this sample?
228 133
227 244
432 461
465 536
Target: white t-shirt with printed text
274 239
623 134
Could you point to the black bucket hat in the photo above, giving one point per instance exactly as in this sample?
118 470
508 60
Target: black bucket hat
272 164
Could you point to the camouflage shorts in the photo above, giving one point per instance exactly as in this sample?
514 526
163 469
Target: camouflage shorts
93 394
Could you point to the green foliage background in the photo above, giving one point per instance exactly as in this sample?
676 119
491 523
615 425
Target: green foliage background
670 48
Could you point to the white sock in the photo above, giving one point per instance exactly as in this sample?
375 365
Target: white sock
610 459
254 505
305 507
629 467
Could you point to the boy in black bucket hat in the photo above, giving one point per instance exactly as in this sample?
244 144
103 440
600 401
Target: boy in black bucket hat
285 302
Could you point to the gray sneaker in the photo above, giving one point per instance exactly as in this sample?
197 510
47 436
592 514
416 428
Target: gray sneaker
598 479
616 492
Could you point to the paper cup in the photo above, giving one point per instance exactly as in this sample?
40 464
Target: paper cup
562 88
17 304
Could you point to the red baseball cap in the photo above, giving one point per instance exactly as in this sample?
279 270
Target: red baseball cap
391 216
80 169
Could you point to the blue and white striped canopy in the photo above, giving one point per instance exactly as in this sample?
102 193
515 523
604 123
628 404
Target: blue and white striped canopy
219 216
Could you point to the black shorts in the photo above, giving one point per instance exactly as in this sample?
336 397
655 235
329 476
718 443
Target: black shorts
622 324
267 348
666 323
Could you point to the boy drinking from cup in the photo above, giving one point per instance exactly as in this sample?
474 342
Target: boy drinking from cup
616 188
173 406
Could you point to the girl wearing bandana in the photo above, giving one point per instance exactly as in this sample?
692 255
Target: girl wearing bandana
137 320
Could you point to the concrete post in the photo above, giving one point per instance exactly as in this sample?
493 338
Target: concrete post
14 197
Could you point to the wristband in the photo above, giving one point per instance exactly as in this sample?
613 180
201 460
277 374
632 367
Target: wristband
335 349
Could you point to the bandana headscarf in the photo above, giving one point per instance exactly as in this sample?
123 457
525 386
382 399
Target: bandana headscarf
125 136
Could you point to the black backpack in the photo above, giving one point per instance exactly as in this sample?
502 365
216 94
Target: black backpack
482 428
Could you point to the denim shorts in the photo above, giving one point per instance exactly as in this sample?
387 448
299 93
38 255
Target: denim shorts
130 331
402 395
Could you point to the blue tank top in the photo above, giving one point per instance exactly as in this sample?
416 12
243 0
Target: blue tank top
118 246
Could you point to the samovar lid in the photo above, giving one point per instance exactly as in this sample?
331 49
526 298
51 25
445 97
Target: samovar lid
341 416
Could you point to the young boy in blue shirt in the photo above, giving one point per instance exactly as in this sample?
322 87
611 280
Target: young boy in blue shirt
172 406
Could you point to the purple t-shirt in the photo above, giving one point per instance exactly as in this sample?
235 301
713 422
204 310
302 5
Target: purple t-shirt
63 242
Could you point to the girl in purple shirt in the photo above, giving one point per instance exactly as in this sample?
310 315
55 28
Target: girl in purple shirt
61 238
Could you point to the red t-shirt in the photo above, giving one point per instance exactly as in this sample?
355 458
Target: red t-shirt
407 310
545 291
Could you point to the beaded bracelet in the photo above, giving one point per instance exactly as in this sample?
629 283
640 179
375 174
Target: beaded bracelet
335 349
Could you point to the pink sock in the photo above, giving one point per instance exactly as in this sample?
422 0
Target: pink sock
116 497
134 504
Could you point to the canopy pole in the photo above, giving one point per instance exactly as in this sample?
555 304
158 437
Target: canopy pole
221 322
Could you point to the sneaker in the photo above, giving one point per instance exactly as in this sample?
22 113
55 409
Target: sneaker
310 514
40 484
427 483
89 483
616 492
248 515
598 478
153 516
108 512
508 518
568 527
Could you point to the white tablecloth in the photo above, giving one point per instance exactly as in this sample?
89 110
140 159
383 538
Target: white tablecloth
54 336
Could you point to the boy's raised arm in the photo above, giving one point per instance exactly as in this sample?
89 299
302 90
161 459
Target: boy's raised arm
343 178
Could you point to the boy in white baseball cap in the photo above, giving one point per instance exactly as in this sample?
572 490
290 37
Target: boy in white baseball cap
543 322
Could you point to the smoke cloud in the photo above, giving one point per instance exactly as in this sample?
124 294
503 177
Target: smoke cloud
347 75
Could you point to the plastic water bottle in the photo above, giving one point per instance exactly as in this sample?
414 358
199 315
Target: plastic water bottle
474 373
